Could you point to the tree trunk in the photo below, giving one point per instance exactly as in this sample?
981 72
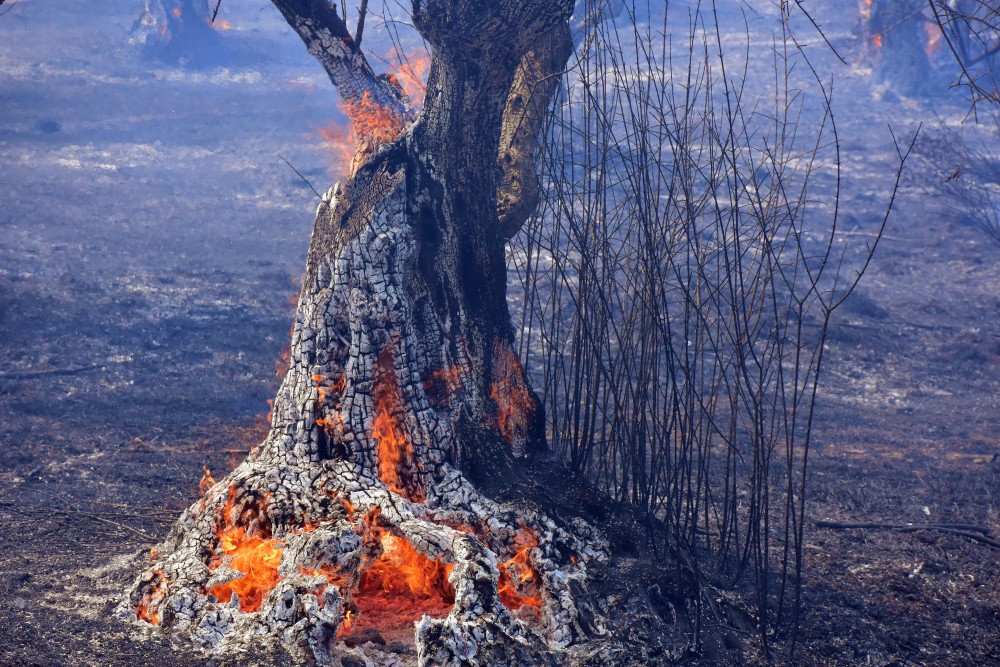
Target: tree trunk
177 31
405 472
897 41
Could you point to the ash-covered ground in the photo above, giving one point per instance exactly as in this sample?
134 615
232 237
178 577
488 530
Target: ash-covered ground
150 240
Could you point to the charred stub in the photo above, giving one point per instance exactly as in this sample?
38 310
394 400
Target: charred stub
360 525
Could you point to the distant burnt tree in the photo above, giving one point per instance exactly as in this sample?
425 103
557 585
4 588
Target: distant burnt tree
178 31
896 36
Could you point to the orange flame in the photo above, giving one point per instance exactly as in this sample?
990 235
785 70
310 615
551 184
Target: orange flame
206 482
519 583
402 570
395 453
222 24
256 556
152 597
933 41
371 126
877 40
177 12
258 559
515 404
411 73
400 587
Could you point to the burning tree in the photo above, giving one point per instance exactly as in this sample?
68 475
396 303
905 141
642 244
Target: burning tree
898 39
406 489
405 476
181 31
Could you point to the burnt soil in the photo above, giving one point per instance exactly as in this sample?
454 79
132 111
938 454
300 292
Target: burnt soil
148 250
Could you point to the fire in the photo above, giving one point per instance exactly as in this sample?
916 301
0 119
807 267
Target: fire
151 598
222 24
206 482
256 556
517 575
402 570
177 12
258 559
325 389
399 588
371 126
340 141
372 121
877 40
515 404
442 384
395 452
411 73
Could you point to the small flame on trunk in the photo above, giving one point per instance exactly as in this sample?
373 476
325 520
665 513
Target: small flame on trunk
509 389
206 482
152 598
519 583
395 453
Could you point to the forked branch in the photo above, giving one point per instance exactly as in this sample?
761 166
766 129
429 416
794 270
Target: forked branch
376 104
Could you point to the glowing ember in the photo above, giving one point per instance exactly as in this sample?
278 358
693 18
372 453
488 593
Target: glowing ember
442 384
206 482
150 599
877 40
518 584
515 406
177 12
395 453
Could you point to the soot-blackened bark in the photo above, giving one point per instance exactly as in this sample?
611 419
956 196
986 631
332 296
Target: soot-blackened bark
364 509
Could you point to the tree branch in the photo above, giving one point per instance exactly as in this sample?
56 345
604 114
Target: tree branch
377 107
969 531
361 24
535 81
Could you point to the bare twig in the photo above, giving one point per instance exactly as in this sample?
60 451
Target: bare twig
970 531
361 24
299 174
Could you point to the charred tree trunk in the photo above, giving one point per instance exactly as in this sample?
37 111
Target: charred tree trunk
897 41
406 471
178 31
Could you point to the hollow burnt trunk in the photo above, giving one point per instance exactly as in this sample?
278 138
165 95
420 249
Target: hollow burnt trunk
405 476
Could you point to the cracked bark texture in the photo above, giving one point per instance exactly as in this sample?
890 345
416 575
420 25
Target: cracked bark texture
404 412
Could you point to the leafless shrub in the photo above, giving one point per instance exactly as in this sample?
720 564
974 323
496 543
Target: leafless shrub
678 284
971 29
964 174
